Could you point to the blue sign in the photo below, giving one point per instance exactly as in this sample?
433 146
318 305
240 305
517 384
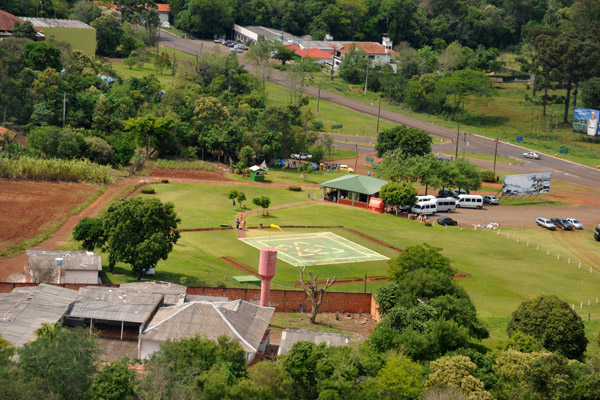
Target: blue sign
519 138
586 121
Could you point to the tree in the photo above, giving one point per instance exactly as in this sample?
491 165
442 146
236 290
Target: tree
354 65
409 142
301 363
62 363
466 176
24 30
457 371
398 194
262 201
591 93
115 381
85 11
152 131
162 61
108 35
131 61
315 295
247 155
400 377
241 197
419 257
260 53
266 380
54 142
465 83
98 150
176 370
6 351
205 18
89 231
140 232
553 323
284 54
42 55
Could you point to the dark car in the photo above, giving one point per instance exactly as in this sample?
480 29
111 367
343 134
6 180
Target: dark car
562 224
445 193
458 192
597 233
447 221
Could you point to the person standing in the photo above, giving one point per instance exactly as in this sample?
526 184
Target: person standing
592 125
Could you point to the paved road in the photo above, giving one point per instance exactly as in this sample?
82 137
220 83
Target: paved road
561 169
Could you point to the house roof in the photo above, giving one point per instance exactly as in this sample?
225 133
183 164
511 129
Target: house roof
111 310
239 320
365 47
25 309
313 52
291 336
173 293
117 295
356 183
72 260
163 7
56 23
17 137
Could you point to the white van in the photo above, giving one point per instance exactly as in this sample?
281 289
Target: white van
427 197
447 204
427 207
470 201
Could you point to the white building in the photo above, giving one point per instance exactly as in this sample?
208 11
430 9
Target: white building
60 266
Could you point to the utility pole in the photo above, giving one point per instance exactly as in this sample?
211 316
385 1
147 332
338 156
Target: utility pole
64 108
356 161
318 98
495 154
332 63
457 139
367 76
464 144
378 114
157 40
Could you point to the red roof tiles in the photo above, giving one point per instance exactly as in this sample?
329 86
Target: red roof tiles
365 47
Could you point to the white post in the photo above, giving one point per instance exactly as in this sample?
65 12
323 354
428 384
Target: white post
569 260
528 243
558 256
508 235
538 247
590 270
518 239
573 306
579 264
588 302
581 305
548 252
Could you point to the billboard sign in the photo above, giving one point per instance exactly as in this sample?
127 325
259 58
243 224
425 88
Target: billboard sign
586 121
526 184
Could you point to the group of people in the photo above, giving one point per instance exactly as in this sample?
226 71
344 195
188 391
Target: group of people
240 223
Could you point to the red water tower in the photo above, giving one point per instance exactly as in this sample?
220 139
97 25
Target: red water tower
266 270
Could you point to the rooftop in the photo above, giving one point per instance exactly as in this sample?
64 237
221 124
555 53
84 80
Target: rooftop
356 183
56 23
72 260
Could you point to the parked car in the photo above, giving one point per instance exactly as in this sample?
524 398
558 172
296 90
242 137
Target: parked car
218 40
597 233
229 43
491 200
531 154
345 168
445 193
458 192
447 221
576 224
241 46
545 223
150 272
562 224
301 156
236 50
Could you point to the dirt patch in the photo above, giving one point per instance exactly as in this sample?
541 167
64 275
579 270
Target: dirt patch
28 208
359 326
239 265
189 174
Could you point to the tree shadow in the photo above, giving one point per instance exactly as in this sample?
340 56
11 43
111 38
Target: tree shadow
482 120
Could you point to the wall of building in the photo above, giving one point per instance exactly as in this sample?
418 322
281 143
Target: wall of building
281 300
79 39
71 276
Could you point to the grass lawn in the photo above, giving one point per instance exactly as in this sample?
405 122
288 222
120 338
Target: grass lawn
489 157
293 177
354 123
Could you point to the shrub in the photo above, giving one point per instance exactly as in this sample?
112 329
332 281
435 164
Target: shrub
164 181
488 176
98 151
148 190
427 223
318 126
294 188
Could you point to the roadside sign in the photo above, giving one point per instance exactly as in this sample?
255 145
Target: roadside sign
564 151
337 126
370 159
519 138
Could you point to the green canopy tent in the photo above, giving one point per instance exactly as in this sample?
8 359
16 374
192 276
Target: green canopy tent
354 190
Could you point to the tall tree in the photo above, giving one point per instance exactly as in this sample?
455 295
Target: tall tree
465 84
140 232
260 53
410 142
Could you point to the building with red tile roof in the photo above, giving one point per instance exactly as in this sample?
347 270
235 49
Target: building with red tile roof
7 23
319 55
12 137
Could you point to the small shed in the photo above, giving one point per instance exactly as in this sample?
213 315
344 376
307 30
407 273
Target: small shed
376 205
257 174
352 189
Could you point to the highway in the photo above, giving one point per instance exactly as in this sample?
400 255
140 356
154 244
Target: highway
561 169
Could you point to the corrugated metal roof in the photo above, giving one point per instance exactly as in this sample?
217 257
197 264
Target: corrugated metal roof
174 293
356 183
239 320
291 336
110 311
25 309
72 260
56 23
100 293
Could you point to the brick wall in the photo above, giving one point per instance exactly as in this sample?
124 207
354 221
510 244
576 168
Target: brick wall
282 300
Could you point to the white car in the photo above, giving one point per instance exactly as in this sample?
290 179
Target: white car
545 223
531 154
575 223
150 272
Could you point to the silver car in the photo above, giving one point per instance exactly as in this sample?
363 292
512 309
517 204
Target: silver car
491 200
545 223
575 223
531 154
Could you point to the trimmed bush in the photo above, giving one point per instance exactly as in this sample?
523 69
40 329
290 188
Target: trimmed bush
294 188
488 176
148 190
